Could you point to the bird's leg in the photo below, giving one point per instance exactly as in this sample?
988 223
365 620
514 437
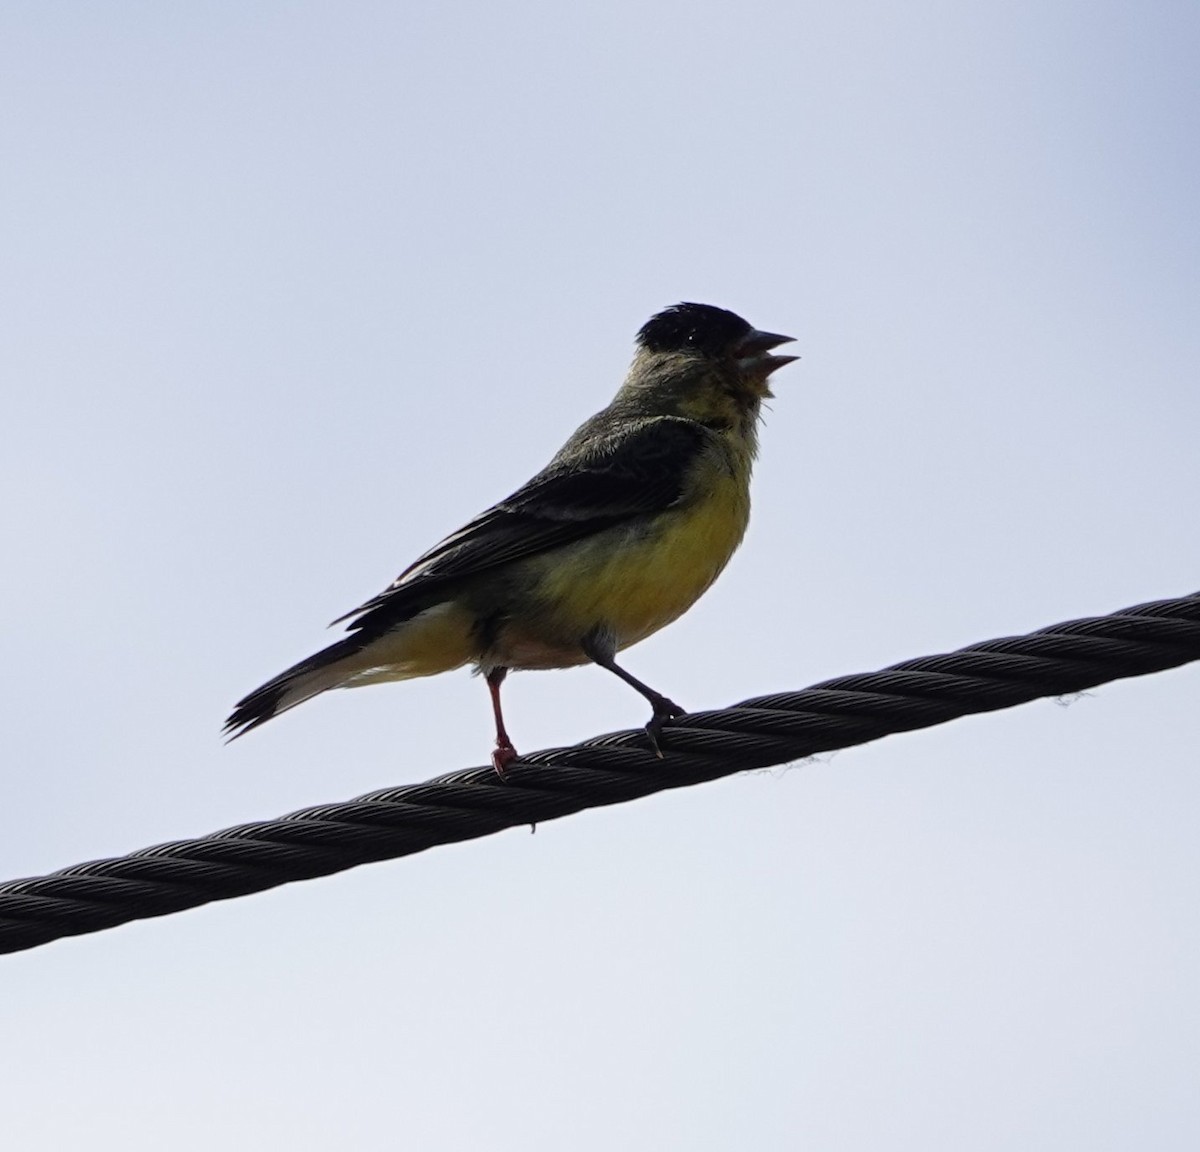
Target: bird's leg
504 753
600 649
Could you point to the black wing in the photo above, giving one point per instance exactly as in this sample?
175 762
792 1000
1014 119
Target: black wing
636 471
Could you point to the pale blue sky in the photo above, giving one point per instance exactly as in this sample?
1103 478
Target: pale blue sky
290 291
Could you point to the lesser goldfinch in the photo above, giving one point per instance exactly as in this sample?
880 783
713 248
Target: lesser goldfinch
617 536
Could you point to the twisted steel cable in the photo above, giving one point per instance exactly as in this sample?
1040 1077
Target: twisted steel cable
839 713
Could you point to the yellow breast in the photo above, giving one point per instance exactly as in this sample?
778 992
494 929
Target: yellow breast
634 581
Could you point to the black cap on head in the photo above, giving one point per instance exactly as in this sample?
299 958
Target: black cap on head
700 326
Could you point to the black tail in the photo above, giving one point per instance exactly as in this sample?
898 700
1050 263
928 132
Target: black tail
299 683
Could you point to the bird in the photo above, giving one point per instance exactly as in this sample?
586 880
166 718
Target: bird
626 527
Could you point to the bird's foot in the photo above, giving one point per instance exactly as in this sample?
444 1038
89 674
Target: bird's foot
503 755
664 709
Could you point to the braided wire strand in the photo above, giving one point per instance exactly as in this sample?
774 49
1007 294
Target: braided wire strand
612 769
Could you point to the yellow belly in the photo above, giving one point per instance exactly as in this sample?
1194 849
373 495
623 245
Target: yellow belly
629 582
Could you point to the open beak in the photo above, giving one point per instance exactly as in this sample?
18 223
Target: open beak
754 352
